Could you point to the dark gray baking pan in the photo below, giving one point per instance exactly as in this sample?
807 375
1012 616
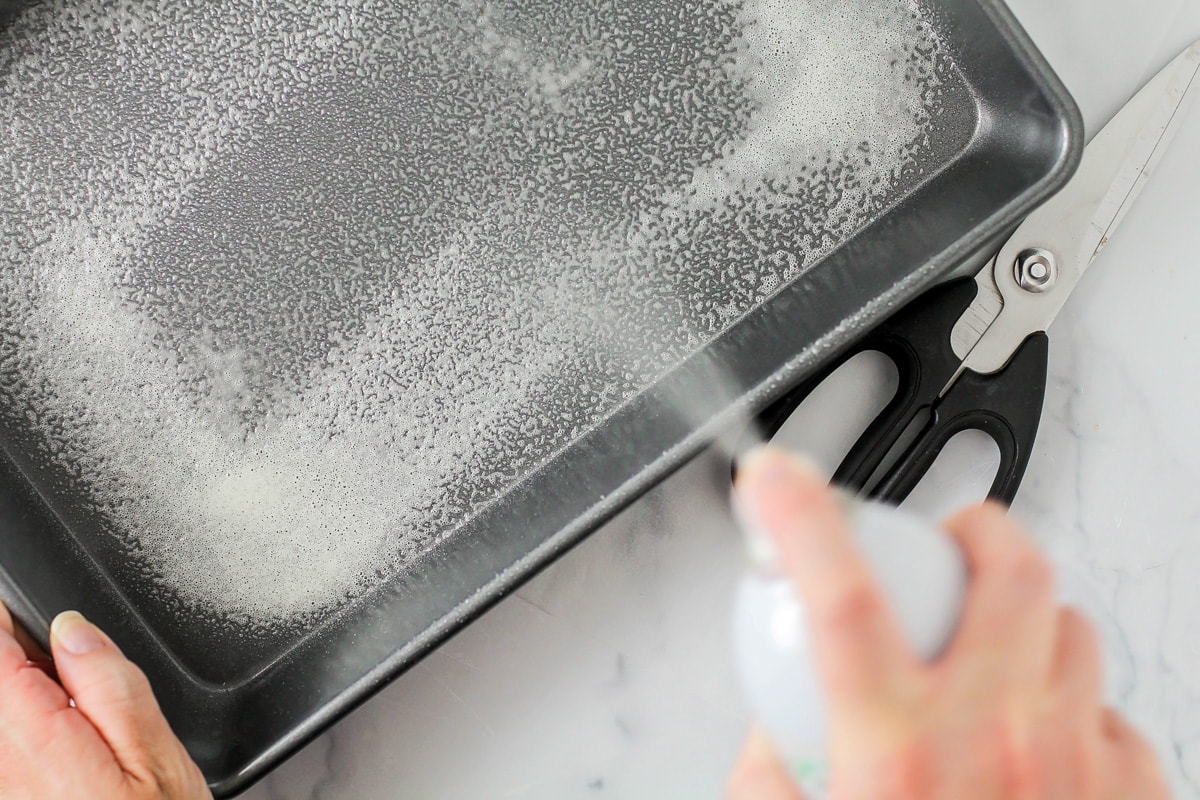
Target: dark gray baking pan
243 696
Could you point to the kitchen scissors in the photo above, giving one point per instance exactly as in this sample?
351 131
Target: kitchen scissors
972 353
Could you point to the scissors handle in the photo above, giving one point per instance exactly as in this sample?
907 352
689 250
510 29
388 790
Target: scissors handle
1006 405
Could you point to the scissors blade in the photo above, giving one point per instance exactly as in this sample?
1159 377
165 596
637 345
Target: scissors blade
1076 224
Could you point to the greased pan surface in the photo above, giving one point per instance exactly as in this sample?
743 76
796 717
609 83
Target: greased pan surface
322 327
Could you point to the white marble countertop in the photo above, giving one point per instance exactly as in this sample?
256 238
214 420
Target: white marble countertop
609 674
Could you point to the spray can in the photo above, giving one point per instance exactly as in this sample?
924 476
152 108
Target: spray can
922 576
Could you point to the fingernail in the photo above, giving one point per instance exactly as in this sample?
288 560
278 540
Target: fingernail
764 462
77 636
770 465
759 547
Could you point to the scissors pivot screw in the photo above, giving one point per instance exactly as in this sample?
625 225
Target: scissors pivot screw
1035 270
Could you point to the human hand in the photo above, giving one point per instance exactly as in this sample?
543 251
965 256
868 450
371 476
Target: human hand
1013 708
111 743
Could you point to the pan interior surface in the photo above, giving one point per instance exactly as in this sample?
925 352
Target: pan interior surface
289 295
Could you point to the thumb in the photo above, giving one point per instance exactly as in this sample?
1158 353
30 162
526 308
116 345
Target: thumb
113 694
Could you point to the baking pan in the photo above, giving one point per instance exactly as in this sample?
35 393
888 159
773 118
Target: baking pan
253 650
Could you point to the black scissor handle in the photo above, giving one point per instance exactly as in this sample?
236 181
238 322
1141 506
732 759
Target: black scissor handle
1007 406
916 339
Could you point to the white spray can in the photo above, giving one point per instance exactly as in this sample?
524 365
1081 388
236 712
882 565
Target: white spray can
922 576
